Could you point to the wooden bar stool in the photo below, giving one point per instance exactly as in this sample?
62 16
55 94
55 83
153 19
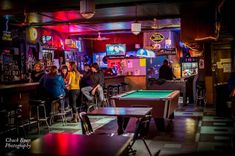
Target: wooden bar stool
55 111
39 105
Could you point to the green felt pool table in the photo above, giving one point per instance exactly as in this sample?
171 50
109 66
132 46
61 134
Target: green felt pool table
163 102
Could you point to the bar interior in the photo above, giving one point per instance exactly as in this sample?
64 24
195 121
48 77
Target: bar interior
133 77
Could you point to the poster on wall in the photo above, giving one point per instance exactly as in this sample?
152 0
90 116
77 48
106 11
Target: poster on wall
129 64
227 68
159 40
201 64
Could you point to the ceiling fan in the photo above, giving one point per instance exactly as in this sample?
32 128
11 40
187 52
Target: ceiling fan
98 38
162 24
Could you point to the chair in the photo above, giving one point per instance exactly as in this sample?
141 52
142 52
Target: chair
85 124
141 131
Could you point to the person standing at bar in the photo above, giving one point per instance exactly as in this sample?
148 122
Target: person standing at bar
97 84
165 71
64 74
53 87
73 88
37 73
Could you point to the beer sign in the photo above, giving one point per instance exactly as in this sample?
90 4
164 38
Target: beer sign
6 36
157 37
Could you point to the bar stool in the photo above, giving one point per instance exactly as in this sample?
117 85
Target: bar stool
200 99
94 104
16 121
55 111
113 89
84 102
105 102
14 115
106 98
124 87
38 104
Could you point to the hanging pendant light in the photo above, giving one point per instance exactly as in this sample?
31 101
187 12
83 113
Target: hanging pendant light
136 26
68 40
87 8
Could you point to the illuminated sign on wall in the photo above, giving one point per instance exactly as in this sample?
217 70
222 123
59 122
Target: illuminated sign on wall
170 51
46 39
32 34
157 37
6 36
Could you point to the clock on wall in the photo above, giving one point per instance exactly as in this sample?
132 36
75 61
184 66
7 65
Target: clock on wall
32 34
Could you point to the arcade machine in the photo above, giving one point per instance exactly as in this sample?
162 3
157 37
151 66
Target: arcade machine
189 66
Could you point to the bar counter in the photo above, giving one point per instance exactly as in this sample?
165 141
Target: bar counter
17 94
18 87
134 81
110 80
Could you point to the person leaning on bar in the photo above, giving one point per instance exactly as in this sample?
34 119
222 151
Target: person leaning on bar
37 73
53 87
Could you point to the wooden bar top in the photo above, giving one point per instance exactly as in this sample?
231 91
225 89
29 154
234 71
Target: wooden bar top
19 87
76 144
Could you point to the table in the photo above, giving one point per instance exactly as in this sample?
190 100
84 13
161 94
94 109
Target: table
121 111
170 85
78 145
14 94
123 114
163 102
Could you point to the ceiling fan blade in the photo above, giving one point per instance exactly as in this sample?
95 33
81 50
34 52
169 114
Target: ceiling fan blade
169 26
99 38
89 38
103 38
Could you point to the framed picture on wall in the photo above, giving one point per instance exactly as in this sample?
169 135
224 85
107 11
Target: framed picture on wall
201 64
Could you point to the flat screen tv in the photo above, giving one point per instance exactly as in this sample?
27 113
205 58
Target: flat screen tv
145 53
100 58
116 49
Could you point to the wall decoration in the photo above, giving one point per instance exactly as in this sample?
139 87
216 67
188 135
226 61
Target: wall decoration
201 64
157 37
32 34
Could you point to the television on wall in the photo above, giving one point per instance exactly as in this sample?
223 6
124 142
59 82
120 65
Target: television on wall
116 49
100 58
145 53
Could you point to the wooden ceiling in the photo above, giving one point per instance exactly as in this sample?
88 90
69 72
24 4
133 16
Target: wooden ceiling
110 16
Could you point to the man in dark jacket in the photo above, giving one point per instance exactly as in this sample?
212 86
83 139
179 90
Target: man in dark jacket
86 78
97 84
165 71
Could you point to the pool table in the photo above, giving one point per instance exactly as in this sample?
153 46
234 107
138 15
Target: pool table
163 102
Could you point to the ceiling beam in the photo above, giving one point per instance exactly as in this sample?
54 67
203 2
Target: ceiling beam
103 20
18 7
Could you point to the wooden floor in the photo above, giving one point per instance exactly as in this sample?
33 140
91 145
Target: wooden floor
192 131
